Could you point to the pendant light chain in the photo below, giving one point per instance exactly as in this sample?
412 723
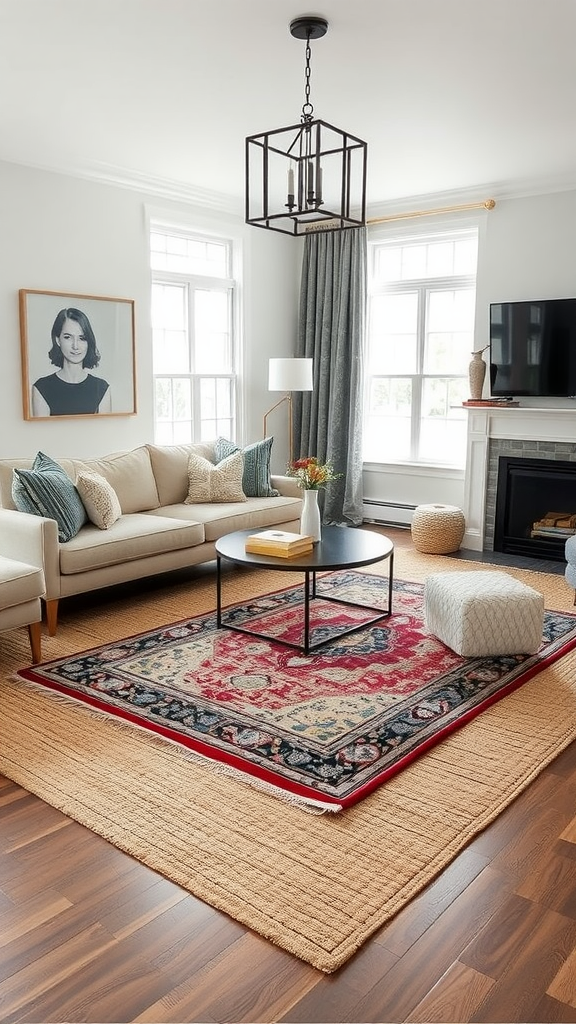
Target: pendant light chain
307 108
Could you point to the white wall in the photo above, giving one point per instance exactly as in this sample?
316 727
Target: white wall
527 253
272 290
67 234
526 250
71 235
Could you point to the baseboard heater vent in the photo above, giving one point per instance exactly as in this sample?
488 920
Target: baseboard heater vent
389 513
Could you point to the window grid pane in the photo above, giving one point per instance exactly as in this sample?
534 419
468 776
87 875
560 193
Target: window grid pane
212 332
393 333
183 255
387 431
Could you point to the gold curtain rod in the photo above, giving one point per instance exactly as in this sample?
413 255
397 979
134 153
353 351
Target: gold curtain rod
488 204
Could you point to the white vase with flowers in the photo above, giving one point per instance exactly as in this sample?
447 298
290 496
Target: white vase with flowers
311 476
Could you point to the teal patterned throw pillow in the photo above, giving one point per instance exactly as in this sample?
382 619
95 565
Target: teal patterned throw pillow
46 490
256 475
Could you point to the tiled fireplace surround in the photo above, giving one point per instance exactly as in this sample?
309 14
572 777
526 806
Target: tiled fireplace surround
515 432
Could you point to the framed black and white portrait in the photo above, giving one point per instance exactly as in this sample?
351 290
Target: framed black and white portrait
78 355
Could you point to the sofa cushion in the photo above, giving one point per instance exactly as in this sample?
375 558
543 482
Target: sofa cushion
19 583
131 476
256 477
251 514
219 483
46 490
170 467
99 498
131 537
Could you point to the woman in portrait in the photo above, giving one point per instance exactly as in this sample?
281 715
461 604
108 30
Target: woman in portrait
71 390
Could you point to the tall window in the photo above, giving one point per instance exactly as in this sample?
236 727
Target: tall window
194 340
422 295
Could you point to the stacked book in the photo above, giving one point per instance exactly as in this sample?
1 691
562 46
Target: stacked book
279 543
555 525
502 402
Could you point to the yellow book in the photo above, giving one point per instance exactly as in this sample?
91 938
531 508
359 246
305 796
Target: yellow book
280 543
278 552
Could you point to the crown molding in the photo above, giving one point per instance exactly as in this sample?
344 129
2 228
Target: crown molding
520 189
165 188
207 199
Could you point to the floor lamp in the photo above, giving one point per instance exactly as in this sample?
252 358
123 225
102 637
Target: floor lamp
288 375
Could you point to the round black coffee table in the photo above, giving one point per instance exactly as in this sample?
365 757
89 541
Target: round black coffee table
340 548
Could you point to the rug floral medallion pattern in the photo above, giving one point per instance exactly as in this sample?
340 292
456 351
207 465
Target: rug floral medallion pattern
328 726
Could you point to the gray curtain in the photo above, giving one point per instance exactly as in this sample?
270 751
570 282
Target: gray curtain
328 420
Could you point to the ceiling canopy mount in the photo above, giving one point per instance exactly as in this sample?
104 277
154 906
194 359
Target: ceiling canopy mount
308 28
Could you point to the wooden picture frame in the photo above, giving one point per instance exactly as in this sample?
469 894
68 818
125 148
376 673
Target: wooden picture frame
81 364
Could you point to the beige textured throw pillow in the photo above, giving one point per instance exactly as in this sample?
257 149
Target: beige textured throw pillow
215 483
99 499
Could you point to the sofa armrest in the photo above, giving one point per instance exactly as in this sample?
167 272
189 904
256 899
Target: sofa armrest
287 485
32 539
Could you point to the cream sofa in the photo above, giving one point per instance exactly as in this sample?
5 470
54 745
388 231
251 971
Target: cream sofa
156 532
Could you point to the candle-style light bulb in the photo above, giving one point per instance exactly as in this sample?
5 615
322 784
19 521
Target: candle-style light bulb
290 203
310 183
300 185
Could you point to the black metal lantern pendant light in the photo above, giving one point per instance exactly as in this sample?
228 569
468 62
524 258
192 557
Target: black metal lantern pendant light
310 176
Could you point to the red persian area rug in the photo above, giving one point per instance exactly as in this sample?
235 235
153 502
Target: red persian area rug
326 728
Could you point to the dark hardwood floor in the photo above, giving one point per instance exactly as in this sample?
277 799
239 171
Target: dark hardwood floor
89 934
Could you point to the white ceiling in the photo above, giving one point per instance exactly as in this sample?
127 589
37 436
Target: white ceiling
450 95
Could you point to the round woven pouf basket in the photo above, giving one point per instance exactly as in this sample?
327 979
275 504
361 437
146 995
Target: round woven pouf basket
437 529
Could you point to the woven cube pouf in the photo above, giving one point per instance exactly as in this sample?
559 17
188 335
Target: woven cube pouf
437 529
478 613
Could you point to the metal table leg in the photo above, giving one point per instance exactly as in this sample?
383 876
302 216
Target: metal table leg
307 611
218 593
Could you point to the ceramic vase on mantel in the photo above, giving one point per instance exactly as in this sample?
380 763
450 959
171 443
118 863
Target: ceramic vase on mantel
476 374
310 522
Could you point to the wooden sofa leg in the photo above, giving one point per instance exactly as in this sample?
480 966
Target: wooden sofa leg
35 634
51 616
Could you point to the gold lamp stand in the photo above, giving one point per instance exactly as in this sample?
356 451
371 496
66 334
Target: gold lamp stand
288 375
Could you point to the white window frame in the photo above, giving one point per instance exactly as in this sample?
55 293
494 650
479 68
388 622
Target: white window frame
422 286
198 282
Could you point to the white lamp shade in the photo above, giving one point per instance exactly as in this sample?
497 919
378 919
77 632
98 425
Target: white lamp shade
290 375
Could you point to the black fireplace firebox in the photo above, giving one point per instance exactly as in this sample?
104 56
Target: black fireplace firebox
527 490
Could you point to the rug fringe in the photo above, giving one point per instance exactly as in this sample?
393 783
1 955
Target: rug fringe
307 804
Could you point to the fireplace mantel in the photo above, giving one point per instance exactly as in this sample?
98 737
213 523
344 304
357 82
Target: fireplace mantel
544 427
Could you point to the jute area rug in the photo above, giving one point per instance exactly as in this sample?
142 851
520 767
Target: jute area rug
318 886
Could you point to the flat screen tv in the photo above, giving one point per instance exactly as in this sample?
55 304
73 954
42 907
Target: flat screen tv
533 348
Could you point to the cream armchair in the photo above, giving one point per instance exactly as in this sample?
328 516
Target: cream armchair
22 578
